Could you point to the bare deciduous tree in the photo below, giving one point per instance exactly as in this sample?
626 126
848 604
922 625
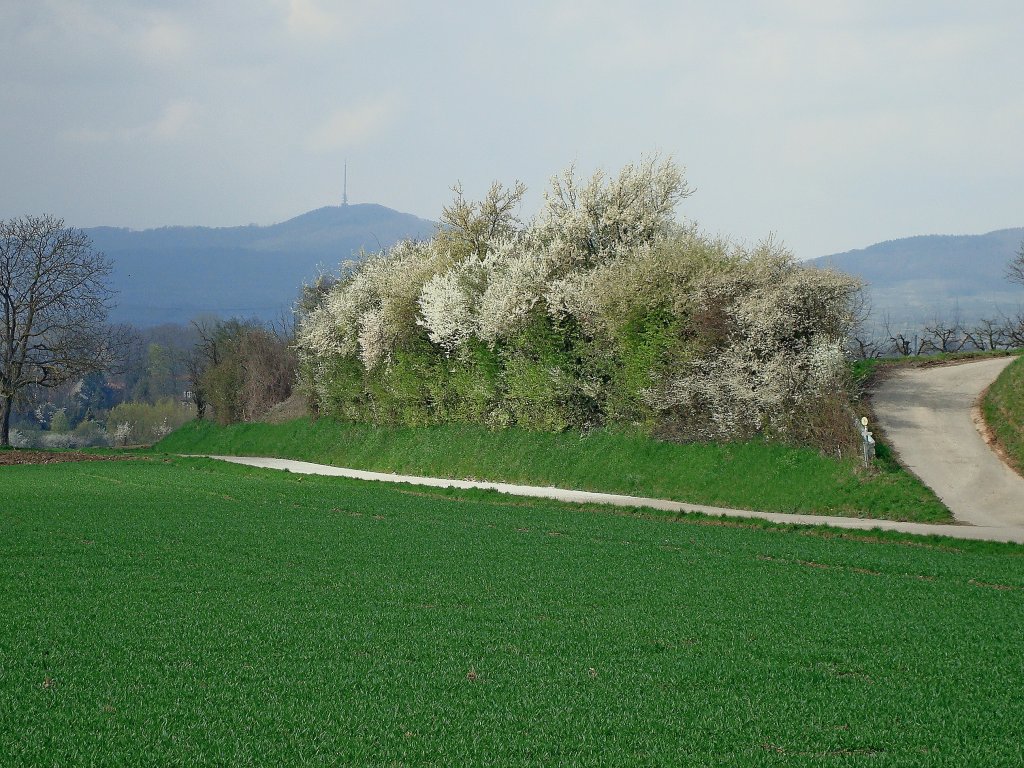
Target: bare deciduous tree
988 333
1015 269
55 300
268 370
942 336
241 368
862 342
903 343
862 347
1014 329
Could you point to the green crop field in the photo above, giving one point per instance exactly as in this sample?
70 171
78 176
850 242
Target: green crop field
752 475
185 612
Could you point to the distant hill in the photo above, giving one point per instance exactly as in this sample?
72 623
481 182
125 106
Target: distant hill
173 274
917 279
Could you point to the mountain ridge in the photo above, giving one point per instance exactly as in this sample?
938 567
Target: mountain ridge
922 278
174 273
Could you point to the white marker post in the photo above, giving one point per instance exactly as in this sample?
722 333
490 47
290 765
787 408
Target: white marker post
869 441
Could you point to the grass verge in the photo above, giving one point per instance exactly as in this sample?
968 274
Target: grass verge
190 612
752 475
1003 408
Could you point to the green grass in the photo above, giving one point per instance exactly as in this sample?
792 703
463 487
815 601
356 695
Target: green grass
1003 407
191 613
757 476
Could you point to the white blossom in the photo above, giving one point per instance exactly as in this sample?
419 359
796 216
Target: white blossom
786 325
753 337
162 430
447 309
587 223
516 273
123 433
372 338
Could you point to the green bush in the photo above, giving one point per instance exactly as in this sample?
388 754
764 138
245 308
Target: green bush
242 370
223 386
603 310
59 422
474 384
147 423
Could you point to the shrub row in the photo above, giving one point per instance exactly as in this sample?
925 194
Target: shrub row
602 310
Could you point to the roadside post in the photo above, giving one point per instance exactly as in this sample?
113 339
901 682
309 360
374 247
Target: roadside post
868 440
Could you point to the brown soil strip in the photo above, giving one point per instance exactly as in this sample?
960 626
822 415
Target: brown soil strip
18 456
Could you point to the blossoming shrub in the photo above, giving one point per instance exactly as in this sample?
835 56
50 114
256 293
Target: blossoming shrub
144 424
602 310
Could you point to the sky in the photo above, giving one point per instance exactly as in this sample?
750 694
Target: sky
829 124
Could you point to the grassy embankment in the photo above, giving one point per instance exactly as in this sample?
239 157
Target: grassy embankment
190 612
742 475
1003 407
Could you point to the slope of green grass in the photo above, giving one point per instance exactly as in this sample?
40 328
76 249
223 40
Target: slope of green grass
1003 407
752 475
192 613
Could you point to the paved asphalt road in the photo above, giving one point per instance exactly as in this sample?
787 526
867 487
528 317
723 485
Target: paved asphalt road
926 414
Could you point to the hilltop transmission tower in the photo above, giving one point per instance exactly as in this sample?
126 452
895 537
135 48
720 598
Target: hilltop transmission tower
344 186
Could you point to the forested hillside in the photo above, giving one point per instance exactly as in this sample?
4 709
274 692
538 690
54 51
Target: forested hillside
917 280
174 274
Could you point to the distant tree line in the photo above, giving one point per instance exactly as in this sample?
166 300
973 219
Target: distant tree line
871 338
939 335
230 370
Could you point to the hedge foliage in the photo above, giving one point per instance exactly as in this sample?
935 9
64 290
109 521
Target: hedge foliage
604 309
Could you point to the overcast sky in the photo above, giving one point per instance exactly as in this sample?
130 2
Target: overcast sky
831 124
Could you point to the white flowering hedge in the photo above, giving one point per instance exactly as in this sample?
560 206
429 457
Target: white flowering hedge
603 309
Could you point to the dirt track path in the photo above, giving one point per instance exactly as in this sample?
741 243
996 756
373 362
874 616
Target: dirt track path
926 414
984 533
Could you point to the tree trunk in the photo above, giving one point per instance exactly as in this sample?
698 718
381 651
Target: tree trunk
5 422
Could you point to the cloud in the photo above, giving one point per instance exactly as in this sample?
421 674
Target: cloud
83 33
307 19
159 39
352 126
176 119
331 22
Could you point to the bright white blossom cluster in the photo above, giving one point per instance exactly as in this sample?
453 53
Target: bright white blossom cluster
455 296
785 347
760 335
448 304
123 433
590 223
369 311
